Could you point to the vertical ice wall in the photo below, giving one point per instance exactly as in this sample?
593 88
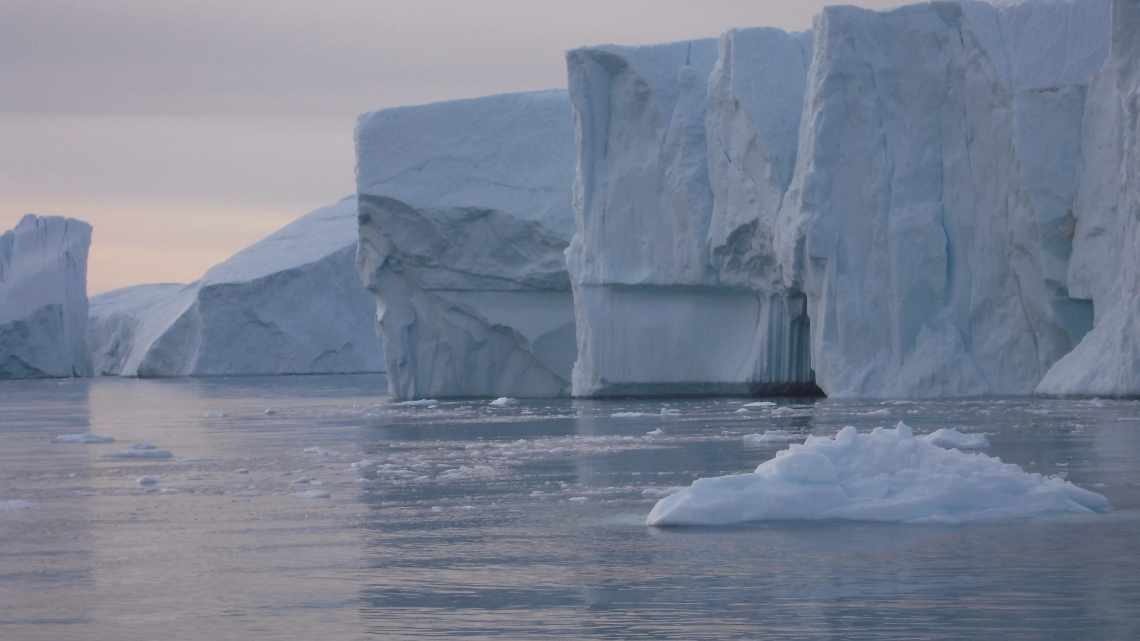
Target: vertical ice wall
1105 265
684 151
43 298
464 215
930 218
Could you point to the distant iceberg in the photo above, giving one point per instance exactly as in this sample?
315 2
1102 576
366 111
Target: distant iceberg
43 298
885 475
288 304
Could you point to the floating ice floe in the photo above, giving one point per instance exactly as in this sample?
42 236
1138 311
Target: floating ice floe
759 405
628 415
142 451
84 438
656 432
313 494
504 401
771 436
885 475
148 481
423 402
949 437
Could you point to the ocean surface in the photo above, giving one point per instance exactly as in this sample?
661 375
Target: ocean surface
464 520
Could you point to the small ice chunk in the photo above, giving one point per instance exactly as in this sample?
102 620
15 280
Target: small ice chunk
952 438
755 405
241 470
788 411
886 475
628 414
578 499
504 401
269 411
656 432
84 438
668 411
313 494
144 451
771 436
148 481
423 402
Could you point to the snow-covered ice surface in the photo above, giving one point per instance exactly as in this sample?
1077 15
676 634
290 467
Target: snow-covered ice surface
887 474
512 153
464 217
347 516
289 304
43 298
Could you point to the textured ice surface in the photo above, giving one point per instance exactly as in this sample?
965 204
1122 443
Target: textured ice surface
929 220
470 301
464 216
43 298
684 151
85 438
512 153
288 304
1105 265
884 475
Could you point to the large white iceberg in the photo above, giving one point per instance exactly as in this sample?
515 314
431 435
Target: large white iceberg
883 206
884 475
684 153
929 221
1105 265
288 304
464 214
43 298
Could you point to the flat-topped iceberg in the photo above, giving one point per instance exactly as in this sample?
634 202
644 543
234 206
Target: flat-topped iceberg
43 298
684 153
929 221
288 304
883 206
464 215
885 475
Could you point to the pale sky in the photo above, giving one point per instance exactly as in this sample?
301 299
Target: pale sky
183 130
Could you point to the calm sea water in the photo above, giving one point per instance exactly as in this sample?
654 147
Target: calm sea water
524 522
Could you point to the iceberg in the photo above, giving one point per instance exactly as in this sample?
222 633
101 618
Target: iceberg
883 207
1105 263
464 212
929 219
684 152
470 302
288 304
43 298
887 475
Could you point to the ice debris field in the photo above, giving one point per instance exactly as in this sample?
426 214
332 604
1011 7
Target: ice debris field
888 474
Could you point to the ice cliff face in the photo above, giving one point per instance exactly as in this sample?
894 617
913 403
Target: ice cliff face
1105 264
684 152
470 301
43 298
464 215
888 202
930 220
289 304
